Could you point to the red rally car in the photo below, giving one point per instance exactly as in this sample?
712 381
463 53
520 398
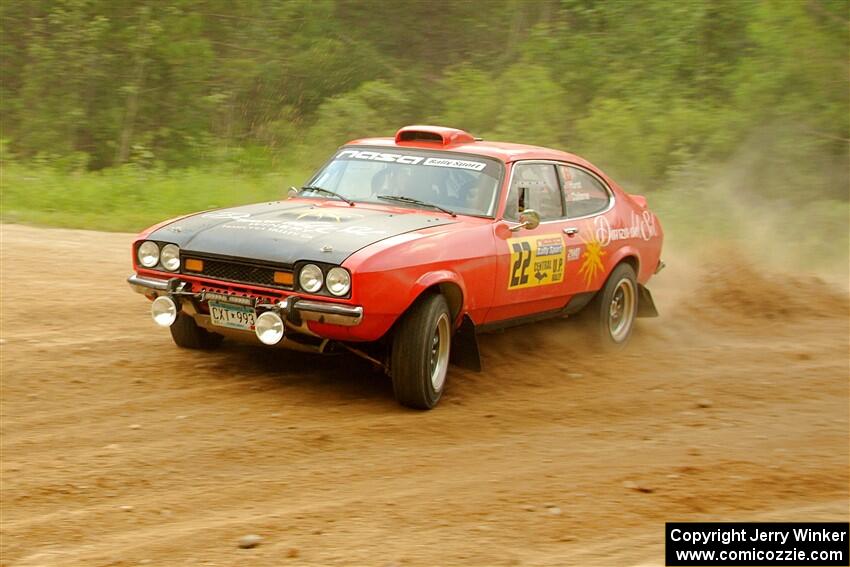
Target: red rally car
402 249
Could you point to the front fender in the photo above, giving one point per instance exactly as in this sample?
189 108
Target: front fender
383 301
390 275
457 303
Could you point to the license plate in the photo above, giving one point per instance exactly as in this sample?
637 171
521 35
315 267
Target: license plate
232 316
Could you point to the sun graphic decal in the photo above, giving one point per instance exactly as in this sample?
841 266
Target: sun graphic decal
591 264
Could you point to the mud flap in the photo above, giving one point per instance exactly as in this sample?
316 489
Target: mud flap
646 306
464 351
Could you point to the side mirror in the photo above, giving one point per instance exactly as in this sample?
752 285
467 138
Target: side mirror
293 192
529 219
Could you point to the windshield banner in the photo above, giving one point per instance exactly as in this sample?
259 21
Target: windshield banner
412 160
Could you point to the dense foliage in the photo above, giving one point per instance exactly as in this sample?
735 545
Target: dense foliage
737 98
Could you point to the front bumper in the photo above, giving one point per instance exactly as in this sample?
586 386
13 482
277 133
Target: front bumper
296 310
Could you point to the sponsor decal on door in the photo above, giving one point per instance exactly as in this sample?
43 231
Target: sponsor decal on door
536 261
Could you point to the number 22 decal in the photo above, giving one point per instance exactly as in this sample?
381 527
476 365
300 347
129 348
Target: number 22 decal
522 258
536 260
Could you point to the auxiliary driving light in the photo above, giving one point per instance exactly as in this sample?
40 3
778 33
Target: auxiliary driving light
164 311
269 328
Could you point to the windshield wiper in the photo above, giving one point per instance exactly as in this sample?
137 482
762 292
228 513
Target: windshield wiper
327 192
412 201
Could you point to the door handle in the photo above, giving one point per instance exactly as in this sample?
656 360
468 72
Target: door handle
571 231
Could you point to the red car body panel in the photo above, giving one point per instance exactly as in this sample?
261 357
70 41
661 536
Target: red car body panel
474 258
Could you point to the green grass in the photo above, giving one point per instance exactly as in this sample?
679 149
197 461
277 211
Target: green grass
129 198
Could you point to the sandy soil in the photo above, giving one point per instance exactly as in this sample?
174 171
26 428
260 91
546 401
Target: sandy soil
120 449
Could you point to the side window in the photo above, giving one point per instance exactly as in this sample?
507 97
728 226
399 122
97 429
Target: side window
583 193
534 186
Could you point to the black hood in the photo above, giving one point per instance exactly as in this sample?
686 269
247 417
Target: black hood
284 232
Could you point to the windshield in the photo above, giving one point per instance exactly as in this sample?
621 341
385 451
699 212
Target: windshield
454 182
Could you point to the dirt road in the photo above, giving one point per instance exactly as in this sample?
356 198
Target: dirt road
120 449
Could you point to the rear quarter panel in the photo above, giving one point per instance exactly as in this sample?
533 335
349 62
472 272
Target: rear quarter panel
632 230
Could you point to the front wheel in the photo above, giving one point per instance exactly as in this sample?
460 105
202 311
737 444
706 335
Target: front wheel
187 334
420 353
612 312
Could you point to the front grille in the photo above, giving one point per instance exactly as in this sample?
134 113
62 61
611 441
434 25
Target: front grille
238 272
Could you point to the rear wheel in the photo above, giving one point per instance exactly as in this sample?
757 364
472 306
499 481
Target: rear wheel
612 312
420 353
187 334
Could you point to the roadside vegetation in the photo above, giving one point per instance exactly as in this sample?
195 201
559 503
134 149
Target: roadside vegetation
131 197
731 116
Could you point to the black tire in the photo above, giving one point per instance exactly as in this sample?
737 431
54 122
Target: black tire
187 334
418 370
612 332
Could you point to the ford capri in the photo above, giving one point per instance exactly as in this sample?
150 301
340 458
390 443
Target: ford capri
402 250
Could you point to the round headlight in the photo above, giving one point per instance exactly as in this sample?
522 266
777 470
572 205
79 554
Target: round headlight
338 281
311 278
148 254
170 257
269 328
